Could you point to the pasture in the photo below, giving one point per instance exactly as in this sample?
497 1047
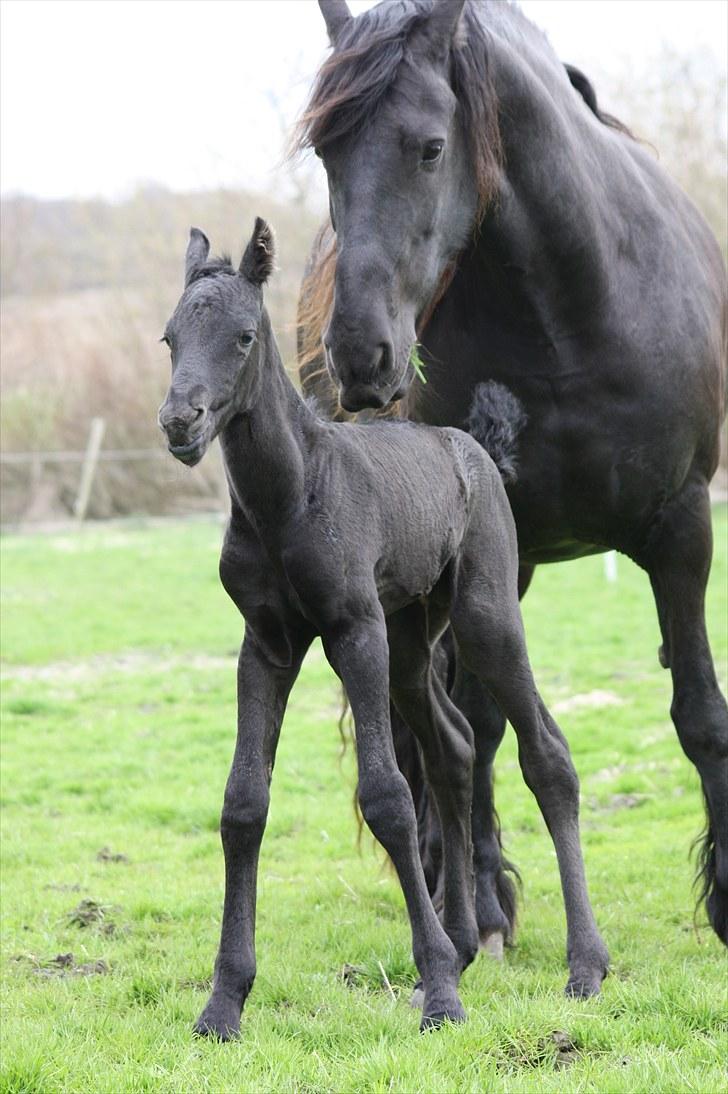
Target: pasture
118 708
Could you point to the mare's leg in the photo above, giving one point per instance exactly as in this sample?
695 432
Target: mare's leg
447 748
677 558
429 835
491 643
359 654
263 690
495 892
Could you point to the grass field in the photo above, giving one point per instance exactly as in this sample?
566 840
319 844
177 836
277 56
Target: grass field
118 726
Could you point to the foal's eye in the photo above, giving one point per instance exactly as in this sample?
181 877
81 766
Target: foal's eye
246 339
432 151
165 340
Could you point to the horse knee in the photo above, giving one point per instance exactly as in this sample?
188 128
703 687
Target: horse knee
701 720
386 806
491 647
547 768
244 814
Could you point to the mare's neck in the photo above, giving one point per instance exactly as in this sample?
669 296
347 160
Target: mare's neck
265 447
554 219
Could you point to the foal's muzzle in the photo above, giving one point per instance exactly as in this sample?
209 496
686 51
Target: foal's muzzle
184 421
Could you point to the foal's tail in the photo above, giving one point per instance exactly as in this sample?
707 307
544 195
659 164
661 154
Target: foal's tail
495 420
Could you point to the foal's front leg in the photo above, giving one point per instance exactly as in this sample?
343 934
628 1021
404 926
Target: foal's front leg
263 690
359 654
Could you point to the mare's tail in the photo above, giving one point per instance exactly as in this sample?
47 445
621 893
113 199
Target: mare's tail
495 420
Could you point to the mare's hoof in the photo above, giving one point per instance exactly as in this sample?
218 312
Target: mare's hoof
214 1023
717 906
417 998
455 1014
492 943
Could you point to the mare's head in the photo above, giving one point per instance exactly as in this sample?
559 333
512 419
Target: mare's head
404 119
211 337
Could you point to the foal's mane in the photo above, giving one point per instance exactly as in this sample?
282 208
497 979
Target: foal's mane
220 264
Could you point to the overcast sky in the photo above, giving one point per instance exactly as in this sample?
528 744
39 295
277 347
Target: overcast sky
99 96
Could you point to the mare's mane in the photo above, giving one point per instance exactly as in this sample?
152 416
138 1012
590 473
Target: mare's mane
347 93
353 81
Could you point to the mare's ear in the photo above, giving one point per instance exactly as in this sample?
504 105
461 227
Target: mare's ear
436 35
257 262
336 16
198 249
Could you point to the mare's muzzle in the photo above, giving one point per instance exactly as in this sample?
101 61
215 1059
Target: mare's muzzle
362 364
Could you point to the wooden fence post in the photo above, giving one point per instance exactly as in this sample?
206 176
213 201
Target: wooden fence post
610 566
91 459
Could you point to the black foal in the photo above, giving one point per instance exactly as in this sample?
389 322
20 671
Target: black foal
373 537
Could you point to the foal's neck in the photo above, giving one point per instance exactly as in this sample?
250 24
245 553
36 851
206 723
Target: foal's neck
264 448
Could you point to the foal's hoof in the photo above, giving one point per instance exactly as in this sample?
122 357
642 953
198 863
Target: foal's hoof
417 998
492 944
584 987
455 1014
214 1023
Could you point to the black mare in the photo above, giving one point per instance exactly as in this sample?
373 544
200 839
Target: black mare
325 539
483 203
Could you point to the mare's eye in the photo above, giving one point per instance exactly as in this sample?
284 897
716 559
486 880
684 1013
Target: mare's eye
246 339
317 152
432 151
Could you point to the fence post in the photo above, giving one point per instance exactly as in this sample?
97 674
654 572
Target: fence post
91 459
610 566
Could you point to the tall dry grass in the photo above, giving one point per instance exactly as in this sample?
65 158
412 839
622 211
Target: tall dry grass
88 287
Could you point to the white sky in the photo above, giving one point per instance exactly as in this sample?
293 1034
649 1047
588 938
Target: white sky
97 96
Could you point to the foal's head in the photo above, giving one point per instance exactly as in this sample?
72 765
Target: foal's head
211 337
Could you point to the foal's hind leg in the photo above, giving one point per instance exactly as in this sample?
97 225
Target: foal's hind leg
447 748
493 647
677 559
495 891
358 651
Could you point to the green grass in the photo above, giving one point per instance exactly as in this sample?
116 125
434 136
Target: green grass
118 723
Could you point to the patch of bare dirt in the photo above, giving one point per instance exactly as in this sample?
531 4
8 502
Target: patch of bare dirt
617 802
107 855
131 664
88 913
63 964
589 699
558 1049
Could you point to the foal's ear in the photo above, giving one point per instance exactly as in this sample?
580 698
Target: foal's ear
198 249
437 33
336 16
257 262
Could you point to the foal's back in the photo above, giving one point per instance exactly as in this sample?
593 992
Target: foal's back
403 496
